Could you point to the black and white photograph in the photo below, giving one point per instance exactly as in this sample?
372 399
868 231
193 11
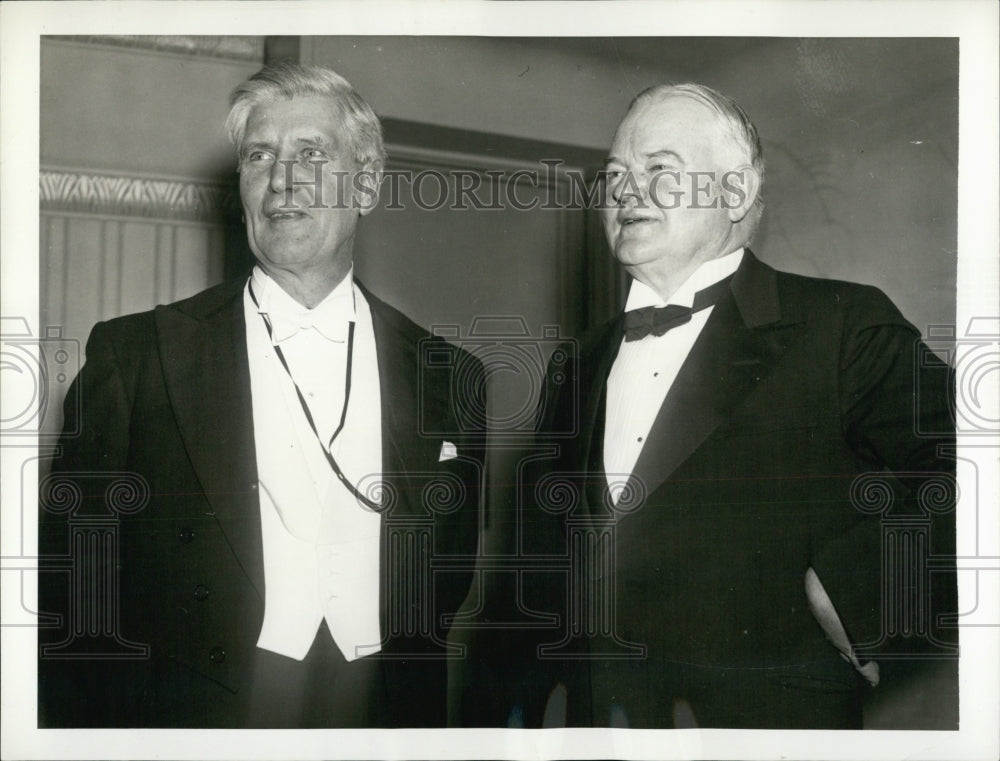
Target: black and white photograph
533 380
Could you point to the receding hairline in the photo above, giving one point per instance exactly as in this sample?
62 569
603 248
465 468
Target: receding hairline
720 118
254 107
311 137
286 82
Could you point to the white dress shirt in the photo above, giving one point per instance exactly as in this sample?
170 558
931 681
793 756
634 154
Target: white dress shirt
644 370
321 545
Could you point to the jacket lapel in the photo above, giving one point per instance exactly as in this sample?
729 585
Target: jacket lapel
202 348
736 350
596 358
403 448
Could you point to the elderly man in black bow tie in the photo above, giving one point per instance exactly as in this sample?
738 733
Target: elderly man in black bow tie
723 570
279 574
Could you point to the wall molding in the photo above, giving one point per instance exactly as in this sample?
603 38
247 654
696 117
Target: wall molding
129 196
472 148
212 46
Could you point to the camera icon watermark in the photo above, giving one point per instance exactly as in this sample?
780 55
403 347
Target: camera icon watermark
974 358
502 353
36 373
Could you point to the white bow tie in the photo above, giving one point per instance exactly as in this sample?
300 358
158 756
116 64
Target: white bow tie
330 319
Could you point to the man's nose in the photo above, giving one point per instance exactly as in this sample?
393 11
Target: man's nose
630 187
297 178
292 172
279 178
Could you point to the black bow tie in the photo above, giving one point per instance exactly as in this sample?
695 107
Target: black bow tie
656 321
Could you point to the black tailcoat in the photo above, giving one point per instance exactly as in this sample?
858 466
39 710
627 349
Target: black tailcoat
166 395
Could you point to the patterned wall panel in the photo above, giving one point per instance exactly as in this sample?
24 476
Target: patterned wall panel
113 245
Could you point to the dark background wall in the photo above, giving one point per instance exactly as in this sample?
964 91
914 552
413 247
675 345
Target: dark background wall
138 207
860 138
860 135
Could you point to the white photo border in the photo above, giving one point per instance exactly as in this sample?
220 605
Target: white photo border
974 23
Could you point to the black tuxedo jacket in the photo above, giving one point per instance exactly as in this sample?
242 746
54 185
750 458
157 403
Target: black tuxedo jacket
795 388
165 404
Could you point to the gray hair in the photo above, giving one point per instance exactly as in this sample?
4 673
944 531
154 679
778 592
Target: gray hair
285 80
733 117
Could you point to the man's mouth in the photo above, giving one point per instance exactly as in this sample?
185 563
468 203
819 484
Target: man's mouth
634 221
285 215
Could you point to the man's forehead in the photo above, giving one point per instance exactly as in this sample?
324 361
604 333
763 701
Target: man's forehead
314 113
667 123
673 109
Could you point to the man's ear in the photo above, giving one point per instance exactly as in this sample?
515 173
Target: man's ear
367 183
738 191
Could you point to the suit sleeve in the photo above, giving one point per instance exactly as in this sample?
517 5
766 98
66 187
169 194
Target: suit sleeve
462 414
73 490
897 416
534 682
98 395
506 684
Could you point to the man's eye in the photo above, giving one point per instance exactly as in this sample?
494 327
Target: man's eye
662 167
312 153
613 175
257 156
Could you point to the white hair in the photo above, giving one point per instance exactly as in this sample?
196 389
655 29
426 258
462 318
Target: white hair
285 80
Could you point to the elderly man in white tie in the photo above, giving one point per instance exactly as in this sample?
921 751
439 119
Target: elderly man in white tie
280 573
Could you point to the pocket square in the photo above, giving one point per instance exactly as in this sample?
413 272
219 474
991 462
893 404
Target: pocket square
448 451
